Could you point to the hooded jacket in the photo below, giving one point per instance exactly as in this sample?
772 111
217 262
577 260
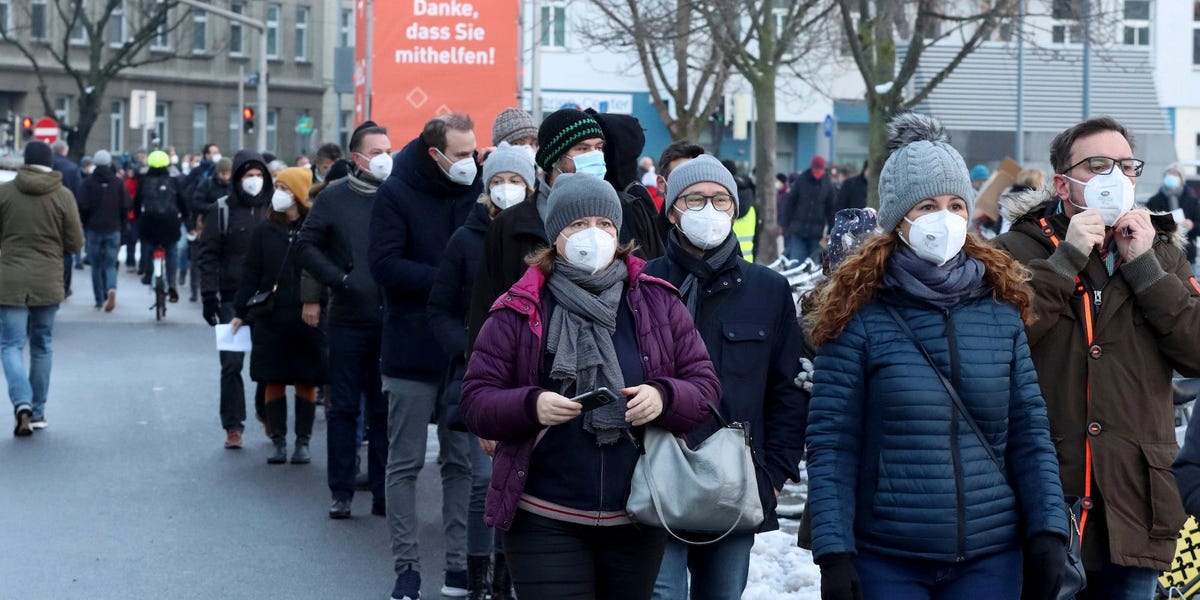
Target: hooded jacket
416 211
39 223
504 375
222 252
158 188
204 196
624 140
1106 349
104 203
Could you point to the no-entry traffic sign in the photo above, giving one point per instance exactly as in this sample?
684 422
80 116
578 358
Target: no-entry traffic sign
46 130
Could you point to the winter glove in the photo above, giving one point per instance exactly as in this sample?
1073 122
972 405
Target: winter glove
839 579
212 310
1045 559
804 377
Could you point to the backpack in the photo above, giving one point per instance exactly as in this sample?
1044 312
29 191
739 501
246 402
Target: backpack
160 203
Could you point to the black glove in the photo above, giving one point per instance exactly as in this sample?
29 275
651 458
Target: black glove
212 310
839 579
1045 560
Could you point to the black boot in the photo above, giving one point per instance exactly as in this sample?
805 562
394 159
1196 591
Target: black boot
276 413
502 586
306 413
477 577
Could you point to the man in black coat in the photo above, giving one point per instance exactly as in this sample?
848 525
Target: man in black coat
72 179
745 314
223 244
432 187
104 206
160 209
853 193
333 250
808 209
1174 195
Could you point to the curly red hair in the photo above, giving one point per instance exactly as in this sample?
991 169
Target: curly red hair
856 282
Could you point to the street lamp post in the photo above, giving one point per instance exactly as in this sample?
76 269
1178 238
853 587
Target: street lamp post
261 26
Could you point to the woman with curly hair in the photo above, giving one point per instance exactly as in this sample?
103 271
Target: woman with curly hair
929 455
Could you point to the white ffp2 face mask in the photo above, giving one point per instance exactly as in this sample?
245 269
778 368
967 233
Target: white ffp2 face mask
591 249
937 237
252 185
706 228
281 201
379 166
505 195
1110 194
462 172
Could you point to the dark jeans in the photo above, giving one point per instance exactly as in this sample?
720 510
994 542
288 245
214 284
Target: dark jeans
800 248
193 252
129 237
354 376
233 389
993 577
1114 582
556 559
102 252
172 260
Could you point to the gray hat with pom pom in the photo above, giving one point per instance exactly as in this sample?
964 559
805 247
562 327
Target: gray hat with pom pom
923 164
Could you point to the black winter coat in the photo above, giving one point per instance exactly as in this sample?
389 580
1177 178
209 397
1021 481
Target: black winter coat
515 233
221 252
417 210
72 177
748 322
104 202
1191 210
155 187
853 193
333 243
204 197
285 350
809 206
450 297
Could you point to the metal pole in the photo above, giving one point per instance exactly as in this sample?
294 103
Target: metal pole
536 70
1087 59
262 92
521 54
1020 146
241 105
369 56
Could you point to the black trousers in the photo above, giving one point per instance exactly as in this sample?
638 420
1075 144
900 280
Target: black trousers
554 560
233 388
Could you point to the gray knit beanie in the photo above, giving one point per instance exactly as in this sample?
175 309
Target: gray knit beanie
102 158
511 125
923 164
703 168
509 159
577 196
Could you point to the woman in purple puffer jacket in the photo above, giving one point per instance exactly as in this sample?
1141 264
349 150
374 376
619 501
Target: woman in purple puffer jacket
583 317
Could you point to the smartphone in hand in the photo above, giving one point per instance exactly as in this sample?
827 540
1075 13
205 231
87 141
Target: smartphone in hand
597 398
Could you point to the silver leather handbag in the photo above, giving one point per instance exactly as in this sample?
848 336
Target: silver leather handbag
712 489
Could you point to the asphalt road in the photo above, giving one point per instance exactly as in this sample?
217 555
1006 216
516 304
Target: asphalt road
129 494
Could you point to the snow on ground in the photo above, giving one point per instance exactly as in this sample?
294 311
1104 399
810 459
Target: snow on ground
779 570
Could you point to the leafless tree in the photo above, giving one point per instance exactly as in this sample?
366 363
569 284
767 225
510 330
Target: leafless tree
83 50
685 71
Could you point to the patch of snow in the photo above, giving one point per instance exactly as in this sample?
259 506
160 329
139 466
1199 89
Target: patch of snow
780 570
884 87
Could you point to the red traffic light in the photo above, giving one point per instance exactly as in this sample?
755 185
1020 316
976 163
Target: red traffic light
247 113
27 123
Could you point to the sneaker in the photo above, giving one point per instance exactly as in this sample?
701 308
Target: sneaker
339 509
172 295
38 423
24 426
456 584
408 586
111 302
233 439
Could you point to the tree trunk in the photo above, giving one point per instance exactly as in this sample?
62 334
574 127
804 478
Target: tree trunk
767 247
877 135
89 111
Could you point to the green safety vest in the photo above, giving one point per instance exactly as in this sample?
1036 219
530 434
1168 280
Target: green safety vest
744 228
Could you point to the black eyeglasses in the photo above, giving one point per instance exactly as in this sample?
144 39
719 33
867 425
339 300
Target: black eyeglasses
698 201
1103 165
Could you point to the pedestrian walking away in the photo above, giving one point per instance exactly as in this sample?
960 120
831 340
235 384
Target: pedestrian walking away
929 455
585 316
286 352
224 241
104 207
161 210
39 225
427 196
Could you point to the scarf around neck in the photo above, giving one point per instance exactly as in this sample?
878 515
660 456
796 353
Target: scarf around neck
362 185
699 269
580 337
944 287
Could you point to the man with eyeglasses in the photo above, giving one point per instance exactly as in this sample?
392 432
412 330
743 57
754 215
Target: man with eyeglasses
1118 311
746 316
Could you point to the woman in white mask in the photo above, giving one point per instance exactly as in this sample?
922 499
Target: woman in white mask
931 470
583 317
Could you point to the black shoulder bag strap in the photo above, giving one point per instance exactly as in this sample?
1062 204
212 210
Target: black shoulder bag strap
958 403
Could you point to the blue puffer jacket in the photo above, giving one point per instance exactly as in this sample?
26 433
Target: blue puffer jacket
895 469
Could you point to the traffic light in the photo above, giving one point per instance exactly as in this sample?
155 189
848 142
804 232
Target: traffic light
248 119
26 128
10 129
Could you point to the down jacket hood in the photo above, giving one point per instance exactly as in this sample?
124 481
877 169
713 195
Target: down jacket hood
243 161
33 182
1031 205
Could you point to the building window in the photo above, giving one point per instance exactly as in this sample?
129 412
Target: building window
235 32
116 126
1066 10
301 33
273 31
345 120
199 31
162 125
272 130
1062 34
346 27
62 109
235 128
199 125
162 39
37 21
554 24
116 25
6 15
1196 33
1137 23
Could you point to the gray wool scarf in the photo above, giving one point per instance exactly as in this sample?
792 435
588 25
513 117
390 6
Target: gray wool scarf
943 287
698 270
580 337
362 185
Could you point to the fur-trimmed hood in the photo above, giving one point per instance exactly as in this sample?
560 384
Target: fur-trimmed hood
1031 204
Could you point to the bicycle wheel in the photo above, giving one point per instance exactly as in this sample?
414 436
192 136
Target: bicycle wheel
160 298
